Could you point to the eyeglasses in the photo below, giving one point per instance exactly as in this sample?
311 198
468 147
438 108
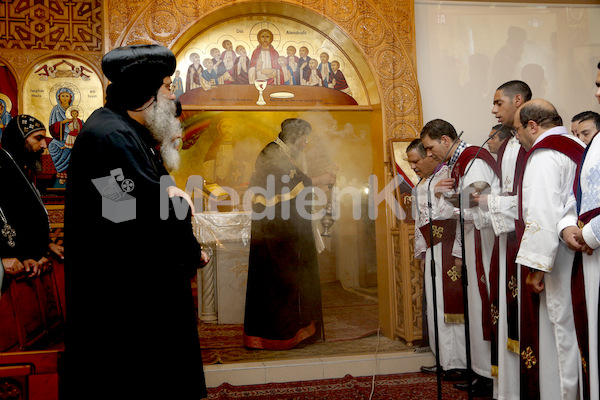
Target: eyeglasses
169 86
515 130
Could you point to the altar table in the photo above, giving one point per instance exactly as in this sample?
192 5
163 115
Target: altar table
222 283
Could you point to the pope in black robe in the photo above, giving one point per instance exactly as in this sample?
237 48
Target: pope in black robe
131 328
283 298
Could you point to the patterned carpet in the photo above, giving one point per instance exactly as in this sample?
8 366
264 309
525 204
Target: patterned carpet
414 386
351 322
367 345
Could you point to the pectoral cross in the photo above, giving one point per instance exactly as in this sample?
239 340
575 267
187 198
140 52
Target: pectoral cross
9 232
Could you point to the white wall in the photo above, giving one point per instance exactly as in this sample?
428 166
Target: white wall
463 56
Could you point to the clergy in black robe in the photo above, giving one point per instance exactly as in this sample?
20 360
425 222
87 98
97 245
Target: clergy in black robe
24 227
283 298
131 328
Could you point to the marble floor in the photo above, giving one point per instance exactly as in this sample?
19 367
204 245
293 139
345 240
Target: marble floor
373 354
362 357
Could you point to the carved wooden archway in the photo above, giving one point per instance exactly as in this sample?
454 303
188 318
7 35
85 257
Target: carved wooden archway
384 32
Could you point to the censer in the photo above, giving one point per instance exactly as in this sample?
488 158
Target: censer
327 221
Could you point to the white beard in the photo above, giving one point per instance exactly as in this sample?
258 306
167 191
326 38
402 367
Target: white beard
170 155
161 121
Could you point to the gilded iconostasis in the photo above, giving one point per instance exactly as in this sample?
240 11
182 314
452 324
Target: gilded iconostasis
62 93
242 68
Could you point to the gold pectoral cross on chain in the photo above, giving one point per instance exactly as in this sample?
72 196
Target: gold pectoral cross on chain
9 232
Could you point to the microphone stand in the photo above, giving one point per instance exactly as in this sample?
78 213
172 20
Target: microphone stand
465 280
438 367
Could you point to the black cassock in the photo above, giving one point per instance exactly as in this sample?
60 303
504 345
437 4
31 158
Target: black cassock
283 298
131 329
25 214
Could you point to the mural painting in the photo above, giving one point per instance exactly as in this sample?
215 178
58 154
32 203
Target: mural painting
5 111
62 93
8 97
233 60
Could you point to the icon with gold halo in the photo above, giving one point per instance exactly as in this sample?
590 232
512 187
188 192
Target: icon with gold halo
5 109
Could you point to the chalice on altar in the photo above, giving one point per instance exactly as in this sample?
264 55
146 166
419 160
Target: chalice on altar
260 85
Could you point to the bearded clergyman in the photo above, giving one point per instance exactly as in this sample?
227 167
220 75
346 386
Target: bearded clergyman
131 326
25 245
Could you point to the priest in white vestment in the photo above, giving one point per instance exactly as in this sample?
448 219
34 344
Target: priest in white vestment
440 139
451 331
546 187
587 240
503 213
